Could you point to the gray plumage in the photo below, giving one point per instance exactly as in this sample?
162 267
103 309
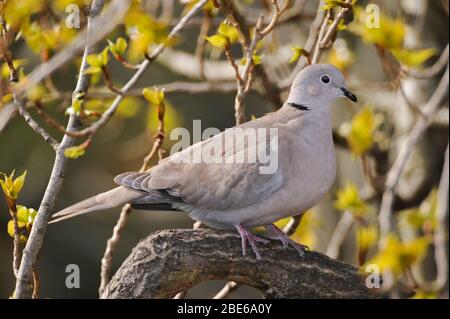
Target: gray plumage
224 195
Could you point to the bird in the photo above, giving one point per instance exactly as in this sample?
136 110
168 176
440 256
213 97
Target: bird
227 194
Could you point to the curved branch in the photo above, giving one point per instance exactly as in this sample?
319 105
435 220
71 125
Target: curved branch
170 261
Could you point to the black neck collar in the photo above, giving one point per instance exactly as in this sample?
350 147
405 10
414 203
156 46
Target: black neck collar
299 106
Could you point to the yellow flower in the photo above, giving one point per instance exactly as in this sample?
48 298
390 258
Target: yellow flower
397 256
423 217
348 199
360 131
389 33
413 58
366 237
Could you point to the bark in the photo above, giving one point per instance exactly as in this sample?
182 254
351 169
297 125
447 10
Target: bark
170 261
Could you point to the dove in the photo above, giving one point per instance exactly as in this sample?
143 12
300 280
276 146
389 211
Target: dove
226 194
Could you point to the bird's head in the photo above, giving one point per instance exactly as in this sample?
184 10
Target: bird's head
318 85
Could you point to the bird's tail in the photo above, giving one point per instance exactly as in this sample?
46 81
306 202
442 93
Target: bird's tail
113 198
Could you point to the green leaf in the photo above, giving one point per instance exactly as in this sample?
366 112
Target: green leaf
119 47
94 60
11 187
228 31
413 58
257 59
17 64
297 52
154 96
98 60
103 56
330 4
18 184
74 152
77 104
217 40
93 70
26 215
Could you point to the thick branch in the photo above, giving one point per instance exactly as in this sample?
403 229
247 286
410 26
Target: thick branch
170 261
36 239
397 168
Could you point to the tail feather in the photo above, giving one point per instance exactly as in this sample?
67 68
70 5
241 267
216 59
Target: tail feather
113 198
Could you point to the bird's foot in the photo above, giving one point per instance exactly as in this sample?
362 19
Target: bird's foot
252 239
285 240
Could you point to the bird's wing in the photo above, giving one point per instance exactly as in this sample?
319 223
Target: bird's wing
213 185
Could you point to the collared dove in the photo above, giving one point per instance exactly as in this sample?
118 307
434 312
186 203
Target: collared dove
223 194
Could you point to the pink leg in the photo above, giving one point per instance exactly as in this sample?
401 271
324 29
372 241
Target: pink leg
285 240
247 236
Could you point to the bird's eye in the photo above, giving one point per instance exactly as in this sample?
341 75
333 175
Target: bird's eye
325 79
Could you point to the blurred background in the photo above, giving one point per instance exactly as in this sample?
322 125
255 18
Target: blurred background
385 114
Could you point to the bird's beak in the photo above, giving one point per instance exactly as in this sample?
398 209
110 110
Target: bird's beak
349 95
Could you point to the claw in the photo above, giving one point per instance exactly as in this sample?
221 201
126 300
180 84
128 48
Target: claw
252 239
286 241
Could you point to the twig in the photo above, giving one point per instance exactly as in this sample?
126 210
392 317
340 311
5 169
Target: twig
108 81
35 241
33 124
339 234
244 81
393 176
36 285
309 45
201 42
326 34
440 236
323 28
229 287
231 60
52 122
111 244
17 246
102 26
105 273
278 12
13 79
143 67
333 27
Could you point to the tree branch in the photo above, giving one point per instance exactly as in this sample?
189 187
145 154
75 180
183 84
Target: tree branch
170 261
393 177
19 104
141 70
34 244
102 26
440 236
